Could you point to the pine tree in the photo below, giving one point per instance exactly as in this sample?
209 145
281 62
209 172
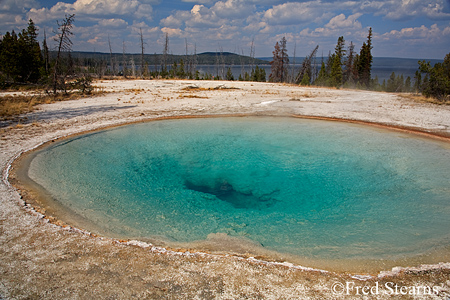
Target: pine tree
418 82
10 57
305 80
323 77
229 76
31 60
407 85
436 83
337 62
275 69
20 56
365 61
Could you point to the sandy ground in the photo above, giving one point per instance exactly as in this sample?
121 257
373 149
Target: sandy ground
41 260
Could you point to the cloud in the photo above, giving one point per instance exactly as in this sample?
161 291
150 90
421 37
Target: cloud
113 23
200 16
199 1
338 26
406 9
93 10
12 13
172 31
422 33
172 21
236 9
418 42
293 13
341 22
17 6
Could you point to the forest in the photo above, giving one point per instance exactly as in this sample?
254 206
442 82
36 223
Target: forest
25 62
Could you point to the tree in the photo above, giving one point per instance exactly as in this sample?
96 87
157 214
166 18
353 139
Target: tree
111 57
229 76
436 83
323 77
142 52
306 69
46 55
280 62
31 60
365 61
10 57
275 67
258 74
284 60
407 87
336 78
305 80
64 45
20 56
348 74
164 57
124 61
181 71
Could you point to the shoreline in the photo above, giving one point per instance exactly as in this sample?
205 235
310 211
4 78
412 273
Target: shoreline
258 105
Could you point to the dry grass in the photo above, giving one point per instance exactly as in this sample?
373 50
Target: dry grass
13 105
219 87
300 96
422 98
192 96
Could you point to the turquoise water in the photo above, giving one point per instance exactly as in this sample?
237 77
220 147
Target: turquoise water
311 188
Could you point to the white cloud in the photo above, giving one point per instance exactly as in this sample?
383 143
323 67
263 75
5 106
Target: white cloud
418 33
418 42
339 25
293 13
172 21
405 9
17 6
236 9
341 22
12 21
172 31
93 10
221 13
199 1
113 23
144 11
105 7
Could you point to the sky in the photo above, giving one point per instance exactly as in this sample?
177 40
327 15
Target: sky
401 28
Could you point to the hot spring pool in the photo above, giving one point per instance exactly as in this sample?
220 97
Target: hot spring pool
306 188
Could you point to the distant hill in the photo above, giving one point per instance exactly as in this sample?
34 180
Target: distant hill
206 58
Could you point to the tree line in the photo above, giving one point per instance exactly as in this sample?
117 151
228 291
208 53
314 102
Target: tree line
344 67
349 69
24 61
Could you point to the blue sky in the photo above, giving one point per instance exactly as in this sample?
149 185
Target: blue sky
401 28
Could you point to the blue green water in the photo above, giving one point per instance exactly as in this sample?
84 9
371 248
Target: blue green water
310 188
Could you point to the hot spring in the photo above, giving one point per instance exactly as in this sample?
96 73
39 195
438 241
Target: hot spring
299 188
